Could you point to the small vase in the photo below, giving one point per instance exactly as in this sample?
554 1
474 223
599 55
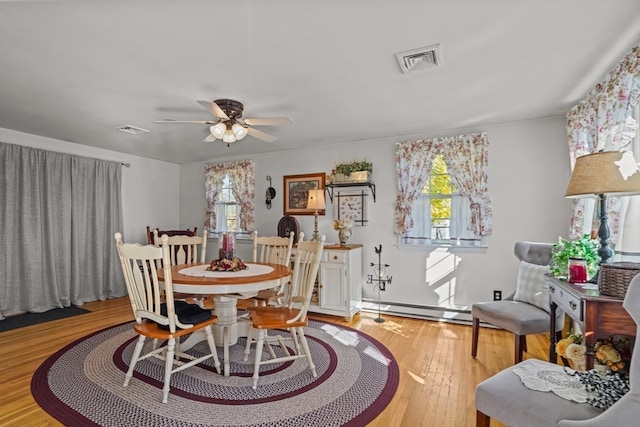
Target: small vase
344 234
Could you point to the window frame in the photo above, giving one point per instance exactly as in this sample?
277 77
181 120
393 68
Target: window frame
466 158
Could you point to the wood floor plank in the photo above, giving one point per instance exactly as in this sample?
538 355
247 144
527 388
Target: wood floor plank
438 376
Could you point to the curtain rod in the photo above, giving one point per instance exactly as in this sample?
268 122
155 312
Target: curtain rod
126 165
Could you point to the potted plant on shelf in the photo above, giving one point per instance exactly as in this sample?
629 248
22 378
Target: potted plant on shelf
584 248
355 171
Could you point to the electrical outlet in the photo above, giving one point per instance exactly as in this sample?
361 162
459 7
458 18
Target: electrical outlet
497 295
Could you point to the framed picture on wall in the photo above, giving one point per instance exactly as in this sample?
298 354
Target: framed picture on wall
296 192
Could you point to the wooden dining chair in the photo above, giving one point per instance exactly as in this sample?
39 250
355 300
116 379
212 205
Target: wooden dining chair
158 316
292 316
186 232
274 250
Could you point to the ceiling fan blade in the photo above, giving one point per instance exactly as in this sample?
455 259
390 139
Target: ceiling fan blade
214 109
268 121
261 135
197 122
210 138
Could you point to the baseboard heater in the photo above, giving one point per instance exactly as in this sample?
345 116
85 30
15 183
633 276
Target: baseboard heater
459 315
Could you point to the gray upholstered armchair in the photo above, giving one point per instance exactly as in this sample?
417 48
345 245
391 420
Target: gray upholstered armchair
504 397
527 312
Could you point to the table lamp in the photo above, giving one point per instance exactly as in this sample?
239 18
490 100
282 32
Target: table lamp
315 202
615 173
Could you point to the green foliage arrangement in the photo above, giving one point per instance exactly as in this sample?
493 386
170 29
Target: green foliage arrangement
584 247
355 166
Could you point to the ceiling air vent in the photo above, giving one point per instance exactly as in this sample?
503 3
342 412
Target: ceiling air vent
133 130
419 59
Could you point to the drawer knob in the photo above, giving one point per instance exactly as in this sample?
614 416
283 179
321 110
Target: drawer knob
552 289
573 305
335 257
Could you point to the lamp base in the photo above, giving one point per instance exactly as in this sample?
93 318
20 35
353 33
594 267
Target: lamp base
604 233
316 234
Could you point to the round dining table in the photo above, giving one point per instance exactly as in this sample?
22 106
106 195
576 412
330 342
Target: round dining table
226 287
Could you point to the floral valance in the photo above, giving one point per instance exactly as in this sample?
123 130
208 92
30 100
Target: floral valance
242 175
602 121
466 157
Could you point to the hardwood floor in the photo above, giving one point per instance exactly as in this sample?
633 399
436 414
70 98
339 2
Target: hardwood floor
438 376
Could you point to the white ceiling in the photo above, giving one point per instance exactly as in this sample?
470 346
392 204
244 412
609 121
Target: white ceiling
75 70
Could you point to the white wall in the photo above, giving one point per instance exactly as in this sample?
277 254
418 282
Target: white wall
529 171
144 185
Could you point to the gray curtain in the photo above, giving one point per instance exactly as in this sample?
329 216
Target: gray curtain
58 215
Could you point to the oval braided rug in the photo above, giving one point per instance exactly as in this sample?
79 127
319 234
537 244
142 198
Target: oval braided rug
82 384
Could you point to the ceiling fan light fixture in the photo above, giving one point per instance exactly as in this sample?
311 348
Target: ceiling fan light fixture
239 131
229 136
218 130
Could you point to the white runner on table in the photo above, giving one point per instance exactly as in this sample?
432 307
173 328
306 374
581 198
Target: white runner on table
252 270
544 376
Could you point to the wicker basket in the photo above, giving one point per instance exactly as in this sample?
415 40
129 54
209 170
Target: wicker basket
614 278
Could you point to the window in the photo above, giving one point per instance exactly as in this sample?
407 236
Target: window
439 191
227 208
627 246
450 205
440 212
229 189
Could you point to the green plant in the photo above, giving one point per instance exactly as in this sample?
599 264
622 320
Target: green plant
584 247
355 166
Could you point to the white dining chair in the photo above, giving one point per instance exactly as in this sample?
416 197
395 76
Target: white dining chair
274 250
292 316
185 249
158 316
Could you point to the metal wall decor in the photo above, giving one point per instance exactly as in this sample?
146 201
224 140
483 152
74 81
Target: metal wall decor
270 194
379 278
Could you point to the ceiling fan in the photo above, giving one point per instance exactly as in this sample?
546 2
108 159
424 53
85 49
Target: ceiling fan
229 125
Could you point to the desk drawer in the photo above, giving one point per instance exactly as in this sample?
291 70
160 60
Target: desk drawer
569 303
335 256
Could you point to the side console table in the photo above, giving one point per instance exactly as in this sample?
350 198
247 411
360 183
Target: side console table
598 316
339 281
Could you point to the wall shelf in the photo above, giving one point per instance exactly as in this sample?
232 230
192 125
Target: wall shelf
329 187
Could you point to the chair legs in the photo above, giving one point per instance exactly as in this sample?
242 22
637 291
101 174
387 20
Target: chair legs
305 347
474 337
134 358
168 369
172 355
520 342
256 362
482 420
263 339
213 349
520 346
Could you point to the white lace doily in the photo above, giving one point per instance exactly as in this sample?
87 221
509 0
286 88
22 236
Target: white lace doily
544 376
252 270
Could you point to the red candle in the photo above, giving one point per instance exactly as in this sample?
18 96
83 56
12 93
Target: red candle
577 274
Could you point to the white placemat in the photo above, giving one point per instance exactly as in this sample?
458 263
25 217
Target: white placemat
252 270
543 376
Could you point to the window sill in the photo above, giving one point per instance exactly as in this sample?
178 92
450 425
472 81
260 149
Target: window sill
448 248
239 236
